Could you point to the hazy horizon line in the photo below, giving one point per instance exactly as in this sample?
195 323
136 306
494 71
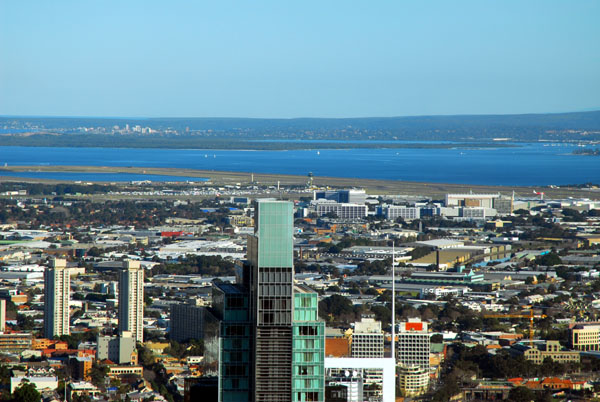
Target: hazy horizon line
587 110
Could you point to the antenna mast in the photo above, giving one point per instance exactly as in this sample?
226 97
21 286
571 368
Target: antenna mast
393 299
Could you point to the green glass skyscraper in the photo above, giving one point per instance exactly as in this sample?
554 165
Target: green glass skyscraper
288 340
308 370
270 254
265 339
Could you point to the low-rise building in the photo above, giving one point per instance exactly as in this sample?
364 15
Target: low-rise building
40 382
118 349
585 336
117 371
81 388
15 342
549 349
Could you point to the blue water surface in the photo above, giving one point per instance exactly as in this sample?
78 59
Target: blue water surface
525 164
102 177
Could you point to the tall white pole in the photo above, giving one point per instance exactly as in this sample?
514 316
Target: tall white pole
393 300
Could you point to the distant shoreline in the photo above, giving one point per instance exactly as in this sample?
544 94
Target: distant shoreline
98 141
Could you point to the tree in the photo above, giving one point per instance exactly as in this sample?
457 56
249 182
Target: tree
437 338
98 373
81 398
26 392
549 259
25 322
521 394
335 305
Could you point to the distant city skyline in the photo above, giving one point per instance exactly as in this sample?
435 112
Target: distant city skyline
309 59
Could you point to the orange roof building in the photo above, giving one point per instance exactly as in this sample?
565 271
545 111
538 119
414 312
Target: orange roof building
337 347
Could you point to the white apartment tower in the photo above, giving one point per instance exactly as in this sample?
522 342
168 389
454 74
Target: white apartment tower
57 285
413 349
367 342
2 315
131 300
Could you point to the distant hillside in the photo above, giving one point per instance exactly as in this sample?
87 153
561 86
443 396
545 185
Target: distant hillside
194 131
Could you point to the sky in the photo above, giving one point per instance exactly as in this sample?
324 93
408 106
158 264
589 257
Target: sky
282 59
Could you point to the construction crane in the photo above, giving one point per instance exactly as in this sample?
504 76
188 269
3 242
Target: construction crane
531 316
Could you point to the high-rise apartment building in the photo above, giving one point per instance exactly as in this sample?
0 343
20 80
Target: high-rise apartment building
413 350
270 254
367 342
131 300
367 339
57 285
228 342
187 322
413 346
308 353
262 335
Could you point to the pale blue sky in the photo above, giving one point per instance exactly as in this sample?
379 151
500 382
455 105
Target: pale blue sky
298 58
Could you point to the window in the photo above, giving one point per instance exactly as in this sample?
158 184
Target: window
235 302
235 330
268 318
307 331
306 302
305 370
233 369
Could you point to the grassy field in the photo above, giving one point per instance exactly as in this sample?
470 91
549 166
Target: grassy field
435 190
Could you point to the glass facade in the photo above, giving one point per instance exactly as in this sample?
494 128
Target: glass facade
274 228
270 251
231 305
269 344
308 371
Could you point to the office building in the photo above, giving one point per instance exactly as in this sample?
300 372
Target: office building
413 346
474 213
131 300
118 349
367 342
504 205
413 349
540 351
187 322
15 342
343 196
393 212
341 210
57 284
367 338
585 336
